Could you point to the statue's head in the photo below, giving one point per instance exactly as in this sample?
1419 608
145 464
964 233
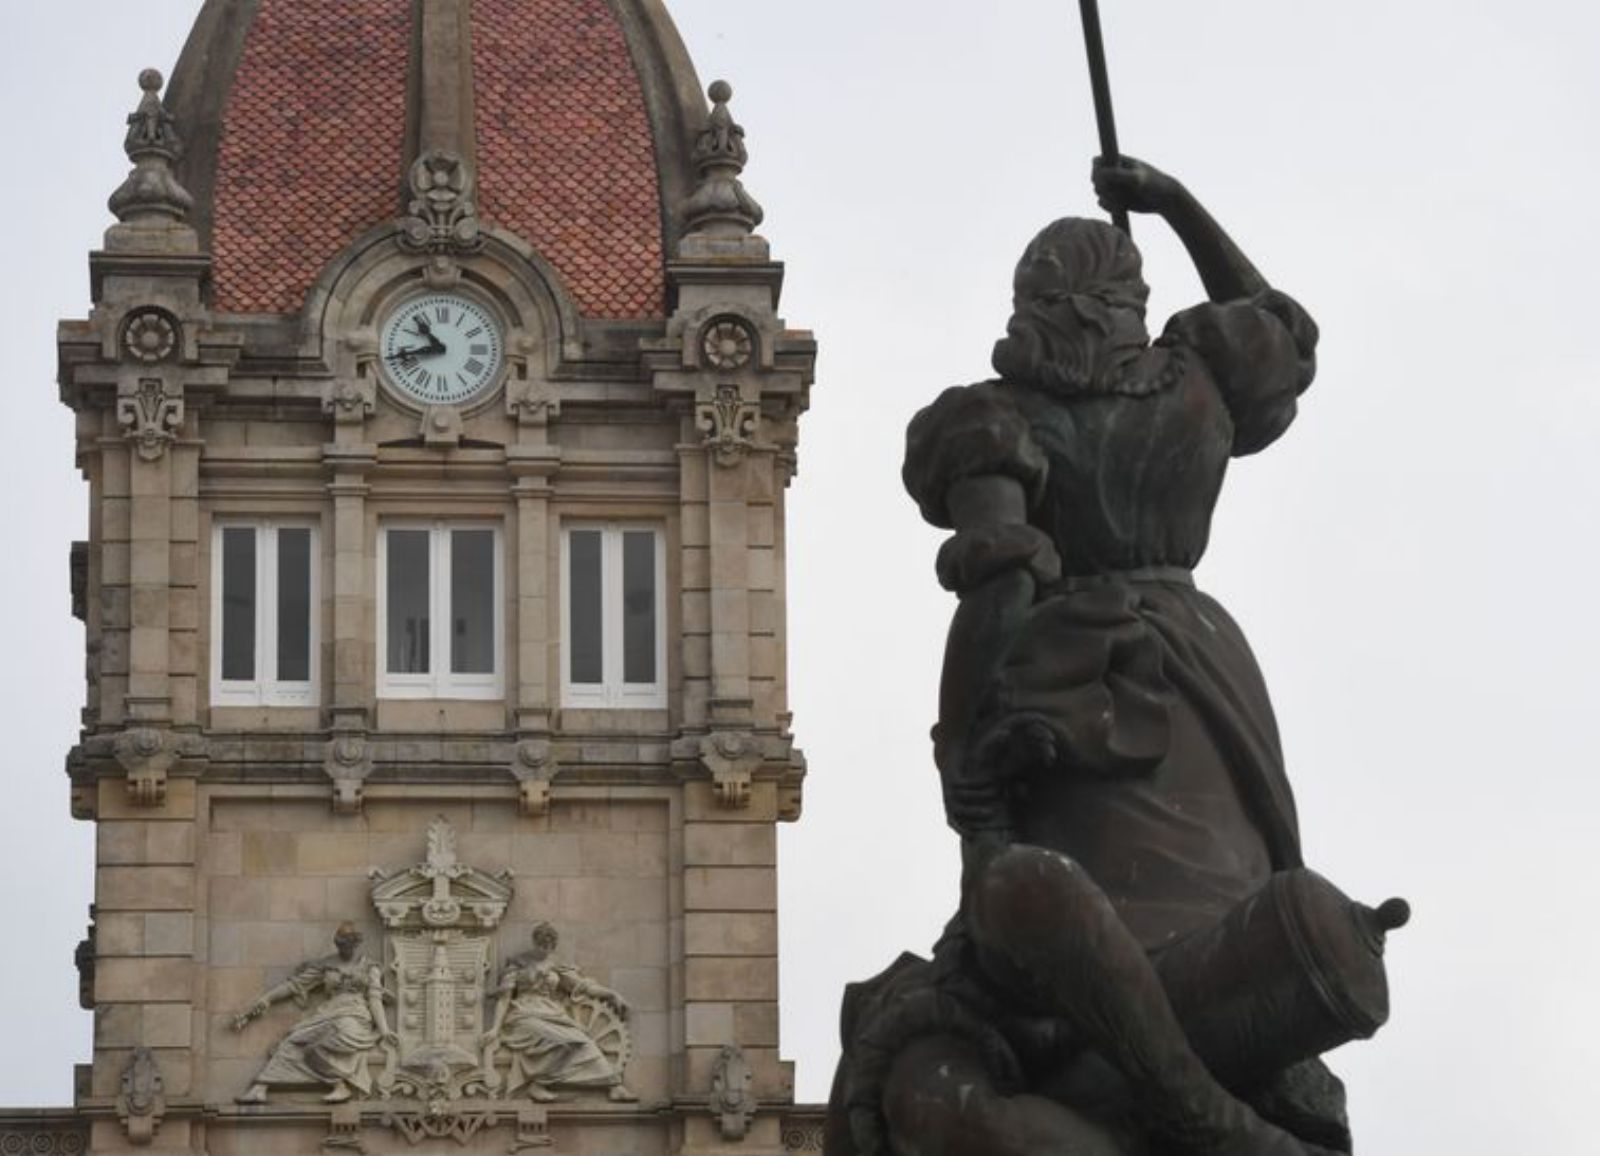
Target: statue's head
1078 301
347 940
545 939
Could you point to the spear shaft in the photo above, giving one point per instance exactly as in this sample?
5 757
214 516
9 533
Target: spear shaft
1100 81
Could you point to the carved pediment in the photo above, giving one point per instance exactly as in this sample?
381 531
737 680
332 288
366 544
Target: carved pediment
441 892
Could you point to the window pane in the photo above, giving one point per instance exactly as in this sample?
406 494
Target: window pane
472 602
585 642
408 601
294 605
239 603
638 607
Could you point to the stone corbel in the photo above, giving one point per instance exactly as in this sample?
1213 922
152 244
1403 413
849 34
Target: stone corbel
351 402
142 1100
791 802
145 755
731 1100
441 272
732 758
535 768
344 1129
531 399
348 762
150 414
441 427
533 1129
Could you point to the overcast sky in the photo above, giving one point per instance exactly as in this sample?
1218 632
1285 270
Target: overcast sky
1414 563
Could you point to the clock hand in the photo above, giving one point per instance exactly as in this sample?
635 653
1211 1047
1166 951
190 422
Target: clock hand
416 351
426 330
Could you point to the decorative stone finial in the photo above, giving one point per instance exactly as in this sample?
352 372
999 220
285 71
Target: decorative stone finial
719 203
152 144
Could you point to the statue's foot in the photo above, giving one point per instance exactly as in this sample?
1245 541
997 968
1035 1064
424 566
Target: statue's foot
620 1094
341 1092
541 1095
255 1094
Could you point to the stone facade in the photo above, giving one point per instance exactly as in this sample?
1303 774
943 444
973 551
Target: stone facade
242 821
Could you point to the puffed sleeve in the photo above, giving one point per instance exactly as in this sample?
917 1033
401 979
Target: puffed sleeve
969 431
1262 353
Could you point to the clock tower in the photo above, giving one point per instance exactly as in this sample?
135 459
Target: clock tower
437 418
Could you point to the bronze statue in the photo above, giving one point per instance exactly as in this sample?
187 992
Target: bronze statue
1140 963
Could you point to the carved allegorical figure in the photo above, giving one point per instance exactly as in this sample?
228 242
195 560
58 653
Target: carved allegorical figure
1140 962
536 1021
330 1045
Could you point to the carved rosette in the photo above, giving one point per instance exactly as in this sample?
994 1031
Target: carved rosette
442 216
730 425
149 336
727 344
150 416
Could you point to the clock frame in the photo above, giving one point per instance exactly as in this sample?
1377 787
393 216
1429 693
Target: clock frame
441 347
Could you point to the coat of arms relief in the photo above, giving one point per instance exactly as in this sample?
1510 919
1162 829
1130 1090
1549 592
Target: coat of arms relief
413 1026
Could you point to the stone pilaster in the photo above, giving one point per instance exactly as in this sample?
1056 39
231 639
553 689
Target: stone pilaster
147 960
730 948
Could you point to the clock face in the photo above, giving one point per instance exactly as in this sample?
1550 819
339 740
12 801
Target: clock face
441 348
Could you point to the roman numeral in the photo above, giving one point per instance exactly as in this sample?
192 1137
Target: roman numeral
442 313
481 350
474 367
424 378
474 333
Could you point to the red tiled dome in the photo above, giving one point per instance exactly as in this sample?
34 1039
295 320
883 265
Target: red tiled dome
565 158
297 123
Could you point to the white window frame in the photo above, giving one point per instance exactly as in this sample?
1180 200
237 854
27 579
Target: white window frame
441 682
612 693
265 689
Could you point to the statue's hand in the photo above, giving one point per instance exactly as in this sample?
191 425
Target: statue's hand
1133 186
391 1038
975 808
489 1038
254 1011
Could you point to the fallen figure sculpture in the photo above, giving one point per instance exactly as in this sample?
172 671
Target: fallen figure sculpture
1141 964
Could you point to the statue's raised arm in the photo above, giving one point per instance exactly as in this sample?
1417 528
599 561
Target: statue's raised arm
1132 186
